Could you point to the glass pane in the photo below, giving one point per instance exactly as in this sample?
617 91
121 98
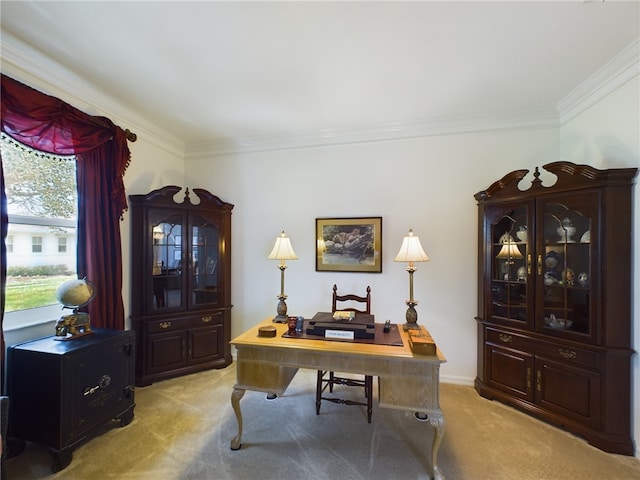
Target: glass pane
41 243
510 254
167 263
566 269
204 237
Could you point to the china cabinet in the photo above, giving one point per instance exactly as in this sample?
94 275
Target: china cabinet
181 283
554 299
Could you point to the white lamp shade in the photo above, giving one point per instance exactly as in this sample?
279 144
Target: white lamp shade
282 250
509 250
411 250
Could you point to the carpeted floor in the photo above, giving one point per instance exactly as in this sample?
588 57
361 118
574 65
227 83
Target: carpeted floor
182 429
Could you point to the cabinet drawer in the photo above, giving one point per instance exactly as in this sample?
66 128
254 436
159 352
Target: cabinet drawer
553 351
507 339
568 354
170 324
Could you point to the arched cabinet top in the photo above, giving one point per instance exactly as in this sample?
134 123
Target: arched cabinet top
570 176
165 197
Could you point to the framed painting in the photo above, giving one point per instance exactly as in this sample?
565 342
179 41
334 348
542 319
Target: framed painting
349 244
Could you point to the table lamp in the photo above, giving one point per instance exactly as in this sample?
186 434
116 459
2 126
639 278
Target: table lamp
282 250
411 251
507 253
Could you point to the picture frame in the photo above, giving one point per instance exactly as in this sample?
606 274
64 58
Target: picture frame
349 244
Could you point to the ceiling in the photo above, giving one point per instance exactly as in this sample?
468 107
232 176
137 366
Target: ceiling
225 72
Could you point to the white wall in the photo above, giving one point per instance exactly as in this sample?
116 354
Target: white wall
426 184
608 136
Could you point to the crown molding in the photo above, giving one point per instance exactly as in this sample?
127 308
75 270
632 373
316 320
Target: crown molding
615 73
611 76
381 133
28 65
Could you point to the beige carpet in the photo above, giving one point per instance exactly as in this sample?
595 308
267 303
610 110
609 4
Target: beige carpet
182 429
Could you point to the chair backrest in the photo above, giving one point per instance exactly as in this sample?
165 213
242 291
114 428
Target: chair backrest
366 300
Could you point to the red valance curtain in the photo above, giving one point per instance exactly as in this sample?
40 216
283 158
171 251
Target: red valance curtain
47 123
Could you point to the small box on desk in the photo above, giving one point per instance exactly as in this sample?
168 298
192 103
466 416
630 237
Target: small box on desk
421 341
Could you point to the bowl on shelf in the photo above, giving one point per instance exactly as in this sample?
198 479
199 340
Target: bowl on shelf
559 323
566 233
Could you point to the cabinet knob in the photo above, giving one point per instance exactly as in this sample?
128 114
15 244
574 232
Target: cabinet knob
206 319
165 324
567 353
505 338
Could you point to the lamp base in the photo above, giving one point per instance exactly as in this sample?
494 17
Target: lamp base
282 310
411 317
410 326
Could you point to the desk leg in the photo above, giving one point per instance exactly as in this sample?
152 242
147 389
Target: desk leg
437 422
236 396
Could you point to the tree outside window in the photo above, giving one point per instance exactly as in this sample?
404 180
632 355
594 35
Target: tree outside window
42 206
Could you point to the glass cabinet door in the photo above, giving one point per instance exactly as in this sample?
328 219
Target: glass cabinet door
205 242
566 265
510 257
166 266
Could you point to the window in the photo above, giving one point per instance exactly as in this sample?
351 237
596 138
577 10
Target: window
42 206
62 244
36 244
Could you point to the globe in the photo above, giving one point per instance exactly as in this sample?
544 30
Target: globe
75 293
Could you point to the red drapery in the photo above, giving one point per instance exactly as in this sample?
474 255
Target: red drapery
47 123
4 224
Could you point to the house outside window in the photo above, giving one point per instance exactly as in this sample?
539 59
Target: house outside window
9 243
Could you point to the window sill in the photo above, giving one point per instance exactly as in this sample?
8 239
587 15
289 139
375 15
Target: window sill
30 318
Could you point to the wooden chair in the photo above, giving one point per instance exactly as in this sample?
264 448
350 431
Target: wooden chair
327 379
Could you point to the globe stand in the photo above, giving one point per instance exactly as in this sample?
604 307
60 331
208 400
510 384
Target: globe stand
70 327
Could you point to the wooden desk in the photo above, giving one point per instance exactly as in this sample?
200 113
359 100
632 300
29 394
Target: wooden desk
405 381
